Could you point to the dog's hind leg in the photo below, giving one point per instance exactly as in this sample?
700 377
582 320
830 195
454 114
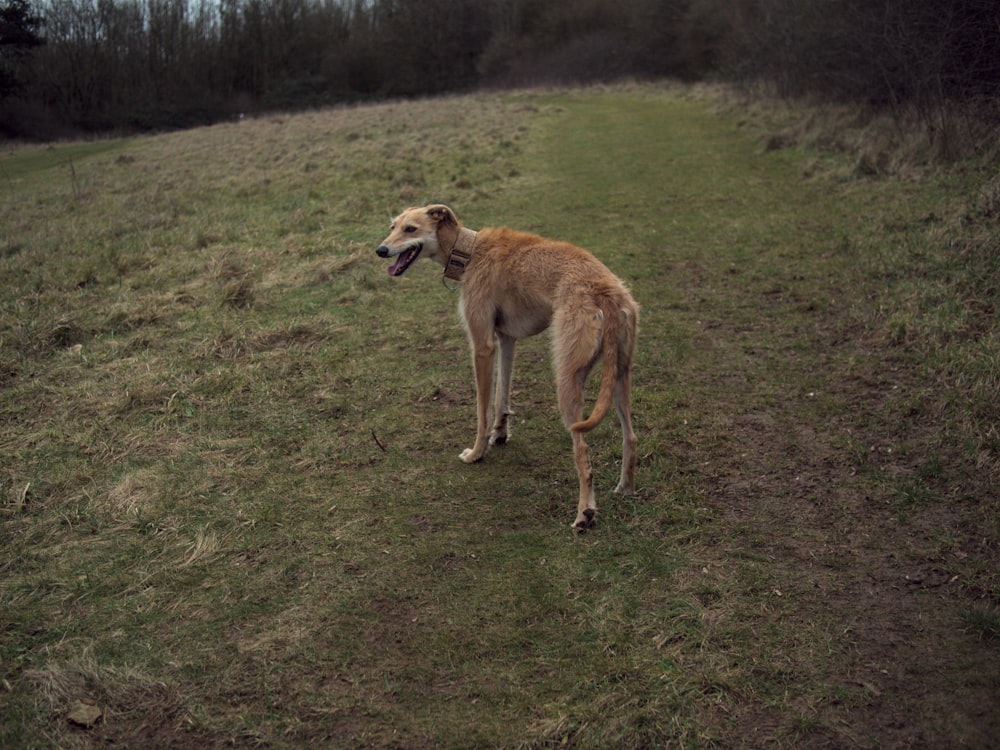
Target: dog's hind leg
576 338
623 405
586 508
501 402
570 391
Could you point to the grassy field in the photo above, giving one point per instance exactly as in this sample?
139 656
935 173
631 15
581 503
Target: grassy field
233 512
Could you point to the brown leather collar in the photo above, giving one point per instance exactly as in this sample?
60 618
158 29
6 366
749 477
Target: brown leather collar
457 261
459 258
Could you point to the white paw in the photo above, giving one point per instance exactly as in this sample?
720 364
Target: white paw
469 456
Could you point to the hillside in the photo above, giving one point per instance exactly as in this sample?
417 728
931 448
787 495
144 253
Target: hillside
232 508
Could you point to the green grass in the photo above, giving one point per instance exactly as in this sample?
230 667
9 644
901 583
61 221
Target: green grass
233 512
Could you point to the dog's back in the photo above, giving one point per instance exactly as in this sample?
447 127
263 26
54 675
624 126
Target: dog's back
531 267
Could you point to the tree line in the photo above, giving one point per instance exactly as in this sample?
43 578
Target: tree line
68 66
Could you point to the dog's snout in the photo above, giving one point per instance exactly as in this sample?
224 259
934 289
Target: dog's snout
382 251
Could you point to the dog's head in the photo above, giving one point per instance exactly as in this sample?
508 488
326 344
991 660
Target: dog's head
425 232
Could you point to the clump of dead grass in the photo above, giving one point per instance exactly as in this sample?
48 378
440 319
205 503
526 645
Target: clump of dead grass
119 695
877 142
136 494
44 333
234 342
340 264
235 283
205 546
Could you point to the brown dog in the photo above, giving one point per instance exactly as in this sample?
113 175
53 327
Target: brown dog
515 285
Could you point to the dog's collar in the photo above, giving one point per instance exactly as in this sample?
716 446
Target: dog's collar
457 261
460 255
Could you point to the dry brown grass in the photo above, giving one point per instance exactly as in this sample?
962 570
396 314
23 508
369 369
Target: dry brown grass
875 141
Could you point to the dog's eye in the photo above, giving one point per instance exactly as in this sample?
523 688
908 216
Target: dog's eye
410 230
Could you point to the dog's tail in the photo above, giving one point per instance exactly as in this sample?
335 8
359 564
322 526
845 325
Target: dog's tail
617 344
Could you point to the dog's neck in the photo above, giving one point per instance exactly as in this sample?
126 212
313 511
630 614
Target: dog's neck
460 254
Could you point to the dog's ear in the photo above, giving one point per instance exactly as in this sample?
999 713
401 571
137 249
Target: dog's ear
442 214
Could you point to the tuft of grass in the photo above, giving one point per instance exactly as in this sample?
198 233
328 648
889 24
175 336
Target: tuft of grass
983 621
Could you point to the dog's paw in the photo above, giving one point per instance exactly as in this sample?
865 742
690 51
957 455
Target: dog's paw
501 429
469 456
624 489
584 521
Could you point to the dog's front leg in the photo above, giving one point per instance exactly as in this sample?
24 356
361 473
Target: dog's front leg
501 401
482 361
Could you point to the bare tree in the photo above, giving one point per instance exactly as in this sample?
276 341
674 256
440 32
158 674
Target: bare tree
167 63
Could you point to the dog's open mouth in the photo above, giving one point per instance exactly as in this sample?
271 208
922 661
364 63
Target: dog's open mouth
404 260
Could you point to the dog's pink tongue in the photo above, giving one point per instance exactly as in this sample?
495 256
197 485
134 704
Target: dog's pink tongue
403 261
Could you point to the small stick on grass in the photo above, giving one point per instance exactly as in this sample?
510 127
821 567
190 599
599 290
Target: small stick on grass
378 442
22 497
